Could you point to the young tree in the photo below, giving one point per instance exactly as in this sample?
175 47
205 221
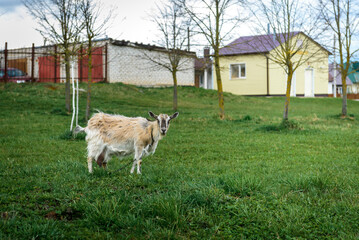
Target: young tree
288 46
59 25
173 27
342 17
212 21
94 26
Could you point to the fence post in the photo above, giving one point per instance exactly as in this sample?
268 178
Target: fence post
33 63
106 63
81 63
5 53
55 71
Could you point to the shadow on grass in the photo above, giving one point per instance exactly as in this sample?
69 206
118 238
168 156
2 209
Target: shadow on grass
68 135
284 126
59 111
349 117
243 119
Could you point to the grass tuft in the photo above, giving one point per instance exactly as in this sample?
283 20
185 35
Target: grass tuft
284 126
240 186
69 135
59 111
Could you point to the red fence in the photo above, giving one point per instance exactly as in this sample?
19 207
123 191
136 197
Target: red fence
45 64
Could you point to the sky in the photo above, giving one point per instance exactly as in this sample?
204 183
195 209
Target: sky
17 27
131 22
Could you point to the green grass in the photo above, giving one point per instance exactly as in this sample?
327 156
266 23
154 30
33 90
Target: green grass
246 177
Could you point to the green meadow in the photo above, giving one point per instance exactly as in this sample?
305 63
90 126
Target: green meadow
245 177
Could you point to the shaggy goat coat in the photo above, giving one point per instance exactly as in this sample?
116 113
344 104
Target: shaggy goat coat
109 135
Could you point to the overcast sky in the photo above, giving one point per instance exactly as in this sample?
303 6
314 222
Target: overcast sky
17 27
131 23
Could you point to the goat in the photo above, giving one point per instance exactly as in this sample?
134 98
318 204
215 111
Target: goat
109 135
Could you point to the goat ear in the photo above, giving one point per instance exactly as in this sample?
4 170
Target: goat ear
152 115
174 115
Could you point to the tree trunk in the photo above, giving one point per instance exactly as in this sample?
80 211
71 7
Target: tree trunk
219 85
67 84
174 75
287 95
344 102
89 84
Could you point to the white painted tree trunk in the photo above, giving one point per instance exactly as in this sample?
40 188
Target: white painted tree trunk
75 97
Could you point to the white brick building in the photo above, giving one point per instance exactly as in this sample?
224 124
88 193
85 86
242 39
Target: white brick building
130 63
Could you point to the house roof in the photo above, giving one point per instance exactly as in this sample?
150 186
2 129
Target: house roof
257 44
354 72
338 77
202 63
146 46
354 77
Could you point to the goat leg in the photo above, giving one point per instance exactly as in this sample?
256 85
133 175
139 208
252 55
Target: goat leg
139 166
133 165
100 159
89 163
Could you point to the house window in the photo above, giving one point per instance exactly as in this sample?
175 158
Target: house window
299 43
238 70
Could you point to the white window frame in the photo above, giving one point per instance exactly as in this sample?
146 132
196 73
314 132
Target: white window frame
239 71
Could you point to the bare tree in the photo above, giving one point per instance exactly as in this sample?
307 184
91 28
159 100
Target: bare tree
215 24
59 25
173 27
95 25
291 45
342 17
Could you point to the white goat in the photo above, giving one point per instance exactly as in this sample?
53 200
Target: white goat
108 135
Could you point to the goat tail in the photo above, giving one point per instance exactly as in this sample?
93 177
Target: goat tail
78 129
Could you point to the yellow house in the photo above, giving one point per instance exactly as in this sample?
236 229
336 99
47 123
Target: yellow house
246 68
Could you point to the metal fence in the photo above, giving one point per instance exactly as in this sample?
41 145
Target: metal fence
46 64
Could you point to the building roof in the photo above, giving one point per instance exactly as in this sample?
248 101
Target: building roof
354 72
338 77
146 46
257 44
202 63
121 43
354 77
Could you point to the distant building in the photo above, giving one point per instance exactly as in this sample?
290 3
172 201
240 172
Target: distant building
354 76
245 70
338 81
113 61
203 71
129 63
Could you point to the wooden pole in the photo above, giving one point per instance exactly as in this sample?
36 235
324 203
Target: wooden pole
188 40
6 73
106 62
33 63
335 71
267 61
81 62
55 71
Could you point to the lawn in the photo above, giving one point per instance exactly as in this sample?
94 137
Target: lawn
239 178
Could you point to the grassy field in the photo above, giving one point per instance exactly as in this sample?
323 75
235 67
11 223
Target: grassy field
240 178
